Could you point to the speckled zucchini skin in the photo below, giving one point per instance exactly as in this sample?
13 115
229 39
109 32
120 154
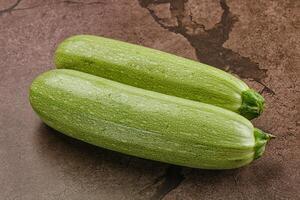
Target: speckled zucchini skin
158 71
144 123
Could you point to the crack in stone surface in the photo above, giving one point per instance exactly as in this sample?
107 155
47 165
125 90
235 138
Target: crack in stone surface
173 178
11 8
208 43
169 181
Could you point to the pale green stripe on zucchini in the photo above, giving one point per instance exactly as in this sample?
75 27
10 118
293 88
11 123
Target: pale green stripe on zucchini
158 71
143 123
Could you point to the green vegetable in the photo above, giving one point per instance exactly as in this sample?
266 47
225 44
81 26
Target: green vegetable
144 123
158 71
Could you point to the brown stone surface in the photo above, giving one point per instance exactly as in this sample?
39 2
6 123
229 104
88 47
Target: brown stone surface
256 40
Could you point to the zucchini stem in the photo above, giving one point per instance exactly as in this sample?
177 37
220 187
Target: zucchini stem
261 139
252 104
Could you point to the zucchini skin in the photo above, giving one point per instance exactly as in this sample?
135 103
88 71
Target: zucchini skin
158 71
143 123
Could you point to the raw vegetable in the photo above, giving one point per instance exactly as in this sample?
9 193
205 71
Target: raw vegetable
158 71
144 123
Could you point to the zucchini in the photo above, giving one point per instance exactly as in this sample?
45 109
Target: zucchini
144 123
158 71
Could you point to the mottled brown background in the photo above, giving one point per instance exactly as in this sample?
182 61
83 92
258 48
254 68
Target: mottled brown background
256 39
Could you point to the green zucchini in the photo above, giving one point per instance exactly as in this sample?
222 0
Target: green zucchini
158 71
144 123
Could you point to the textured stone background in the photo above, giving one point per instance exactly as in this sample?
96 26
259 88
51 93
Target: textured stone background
258 40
